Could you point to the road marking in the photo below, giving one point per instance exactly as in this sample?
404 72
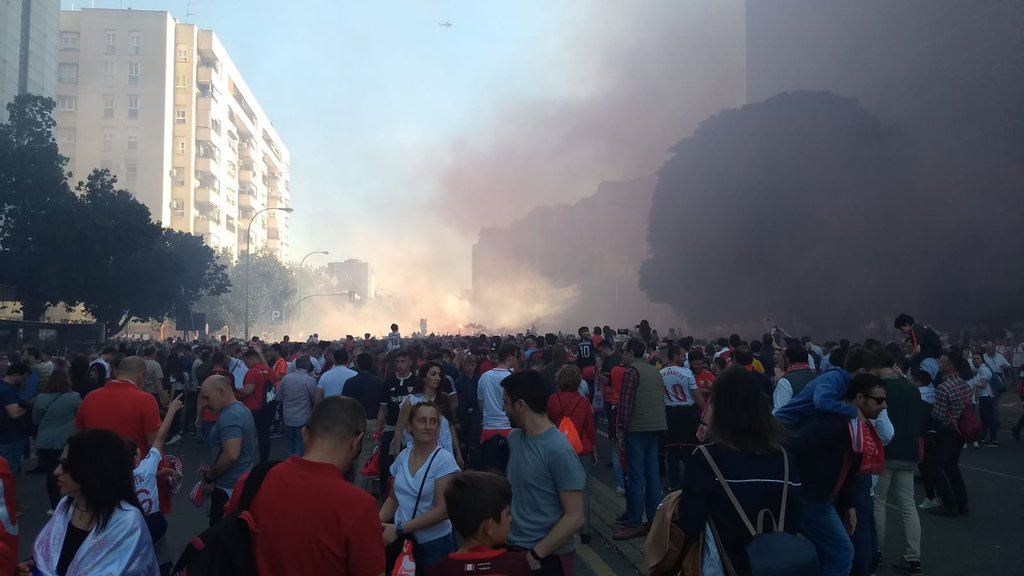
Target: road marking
597 565
993 472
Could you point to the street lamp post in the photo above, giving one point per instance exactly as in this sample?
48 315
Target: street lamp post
301 264
248 258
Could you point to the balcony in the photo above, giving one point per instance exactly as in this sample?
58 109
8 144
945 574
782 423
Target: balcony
207 197
230 224
246 150
203 225
205 164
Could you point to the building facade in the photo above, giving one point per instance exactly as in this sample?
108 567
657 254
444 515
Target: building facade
354 276
29 39
162 106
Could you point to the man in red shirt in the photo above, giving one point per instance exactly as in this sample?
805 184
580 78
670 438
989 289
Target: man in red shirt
338 530
252 393
121 407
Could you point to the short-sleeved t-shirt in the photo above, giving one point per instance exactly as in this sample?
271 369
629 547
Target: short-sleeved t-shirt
339 531
539 469
367 389
489 391
585 353
234 422
9 432
396 390
680 386
119 406
333 381
154 377
259 376
480 562
408 485
145 481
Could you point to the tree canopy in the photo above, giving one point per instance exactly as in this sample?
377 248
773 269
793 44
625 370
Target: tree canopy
98 247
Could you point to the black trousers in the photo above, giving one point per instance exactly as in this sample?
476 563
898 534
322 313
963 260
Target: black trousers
989 418
949 482
48 462
263 419
218 500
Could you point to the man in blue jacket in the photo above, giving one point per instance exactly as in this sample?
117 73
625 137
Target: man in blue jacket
827 391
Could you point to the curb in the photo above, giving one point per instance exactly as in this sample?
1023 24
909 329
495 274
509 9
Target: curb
605 507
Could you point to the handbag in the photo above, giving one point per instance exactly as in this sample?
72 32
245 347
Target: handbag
406 563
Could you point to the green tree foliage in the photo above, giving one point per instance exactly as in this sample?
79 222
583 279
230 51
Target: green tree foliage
35 202
798 207
99 247
272 288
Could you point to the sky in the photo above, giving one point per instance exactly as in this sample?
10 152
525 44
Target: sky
407 136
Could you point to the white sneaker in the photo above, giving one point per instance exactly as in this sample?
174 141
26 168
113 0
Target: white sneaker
620 490
173 440
929 503
976 446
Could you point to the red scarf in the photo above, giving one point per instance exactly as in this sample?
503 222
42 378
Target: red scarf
865 441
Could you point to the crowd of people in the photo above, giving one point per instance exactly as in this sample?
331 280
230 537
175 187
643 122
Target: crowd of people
408 451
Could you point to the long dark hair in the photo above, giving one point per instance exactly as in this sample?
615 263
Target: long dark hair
742 416
99 462
443 399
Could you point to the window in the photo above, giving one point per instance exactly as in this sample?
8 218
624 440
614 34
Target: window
108 139
131 168
133 141
105 164
179 115
68 73
69 41
178 207
109 72
133 73
66 136
179 145
179 175
181 82
135 44
66 103
108 105
133 106
181 54
111 46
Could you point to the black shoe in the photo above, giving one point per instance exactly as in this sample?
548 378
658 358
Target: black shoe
585 539
911 567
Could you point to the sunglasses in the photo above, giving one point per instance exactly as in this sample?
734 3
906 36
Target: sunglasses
876 398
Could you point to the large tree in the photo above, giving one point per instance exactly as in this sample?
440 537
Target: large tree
801 207
128 267
272 287
36 206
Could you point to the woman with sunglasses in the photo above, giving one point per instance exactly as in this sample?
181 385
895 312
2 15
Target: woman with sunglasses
98 526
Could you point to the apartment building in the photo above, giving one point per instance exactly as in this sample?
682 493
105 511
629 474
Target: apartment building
29 32
161 105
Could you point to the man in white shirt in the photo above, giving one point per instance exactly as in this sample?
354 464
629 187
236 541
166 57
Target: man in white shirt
235 365
995 361
981 384
332 382
489 392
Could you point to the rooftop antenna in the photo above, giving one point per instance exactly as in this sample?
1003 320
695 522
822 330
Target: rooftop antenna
189 12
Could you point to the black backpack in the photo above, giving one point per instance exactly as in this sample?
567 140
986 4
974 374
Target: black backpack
226 547
771 551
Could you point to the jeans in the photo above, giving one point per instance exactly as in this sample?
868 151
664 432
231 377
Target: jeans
820 522
989 418
864 543
644 489
12 452
293 441
429 553
48 462
263 418
218 499
949 482
899 475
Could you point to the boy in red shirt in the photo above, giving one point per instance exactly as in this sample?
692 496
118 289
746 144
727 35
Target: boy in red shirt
480 509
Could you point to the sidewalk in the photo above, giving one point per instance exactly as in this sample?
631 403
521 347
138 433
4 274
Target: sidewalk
605 507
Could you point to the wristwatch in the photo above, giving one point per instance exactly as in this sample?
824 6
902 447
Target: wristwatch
535 556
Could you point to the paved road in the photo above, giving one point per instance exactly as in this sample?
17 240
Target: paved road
987 543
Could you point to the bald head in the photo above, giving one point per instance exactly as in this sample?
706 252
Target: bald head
216 392
132 368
